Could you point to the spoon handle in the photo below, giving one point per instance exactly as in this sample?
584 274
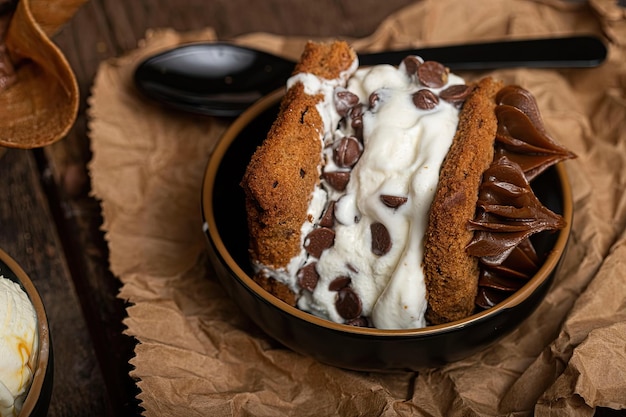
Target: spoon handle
566 52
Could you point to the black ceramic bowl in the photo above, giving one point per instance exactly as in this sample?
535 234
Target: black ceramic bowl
38 398
337 344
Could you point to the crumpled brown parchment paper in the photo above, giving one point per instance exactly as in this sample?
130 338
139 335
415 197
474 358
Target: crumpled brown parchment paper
198 355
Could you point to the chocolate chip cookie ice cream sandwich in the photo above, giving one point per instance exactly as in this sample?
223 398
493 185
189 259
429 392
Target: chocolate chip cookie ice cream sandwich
396 196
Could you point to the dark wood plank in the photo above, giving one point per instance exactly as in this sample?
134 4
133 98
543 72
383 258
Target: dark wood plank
78 223
29 236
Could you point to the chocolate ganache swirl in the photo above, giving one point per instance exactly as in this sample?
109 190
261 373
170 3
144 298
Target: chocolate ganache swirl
508 212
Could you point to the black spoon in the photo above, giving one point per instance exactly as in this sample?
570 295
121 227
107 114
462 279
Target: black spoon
222 79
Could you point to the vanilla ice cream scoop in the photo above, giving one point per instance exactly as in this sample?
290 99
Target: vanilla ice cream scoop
18 346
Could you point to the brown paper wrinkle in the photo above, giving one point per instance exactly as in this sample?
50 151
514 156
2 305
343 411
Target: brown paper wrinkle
600 303
602 389
603 303
198 355
582 387
161 317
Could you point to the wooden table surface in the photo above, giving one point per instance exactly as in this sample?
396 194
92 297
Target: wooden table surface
50 224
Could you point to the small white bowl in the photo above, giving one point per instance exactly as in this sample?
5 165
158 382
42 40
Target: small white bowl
38 397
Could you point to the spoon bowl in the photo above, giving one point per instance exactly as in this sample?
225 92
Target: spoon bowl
37 400
222 79
219 79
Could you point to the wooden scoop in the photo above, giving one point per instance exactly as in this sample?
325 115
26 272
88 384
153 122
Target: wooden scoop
41 106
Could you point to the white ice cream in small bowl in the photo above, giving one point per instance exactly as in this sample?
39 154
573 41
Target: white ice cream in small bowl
25 350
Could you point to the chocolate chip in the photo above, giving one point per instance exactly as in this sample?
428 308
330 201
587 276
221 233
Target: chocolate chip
425 99
339 283
374 98
356 115
411 64
355 120
455 94
337 179
344 101
393 201
358 322
318 240
308 277
328 218
381 241
347 153
348 304
432 74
